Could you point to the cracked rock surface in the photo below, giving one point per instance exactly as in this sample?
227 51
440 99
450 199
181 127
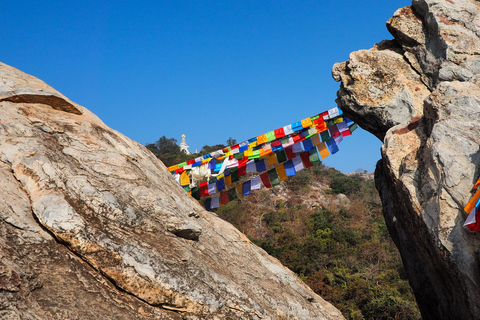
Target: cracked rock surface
420 94
93 226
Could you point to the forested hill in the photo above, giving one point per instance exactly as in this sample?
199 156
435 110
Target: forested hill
328 228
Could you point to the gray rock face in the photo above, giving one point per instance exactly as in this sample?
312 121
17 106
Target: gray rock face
420 94
92 226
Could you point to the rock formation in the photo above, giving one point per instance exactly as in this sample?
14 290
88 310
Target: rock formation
93 226
420 94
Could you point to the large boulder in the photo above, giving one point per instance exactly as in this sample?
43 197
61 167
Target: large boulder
420 94
93 226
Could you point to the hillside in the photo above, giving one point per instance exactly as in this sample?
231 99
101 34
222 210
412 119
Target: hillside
328 228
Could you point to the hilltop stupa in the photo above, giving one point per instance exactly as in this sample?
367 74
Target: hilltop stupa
183 145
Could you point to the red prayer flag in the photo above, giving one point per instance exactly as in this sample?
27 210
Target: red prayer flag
179 171
203 189
224 198
297 138
190 162
290 153
279 133
266 180
276 143
306 159
346 133
242 170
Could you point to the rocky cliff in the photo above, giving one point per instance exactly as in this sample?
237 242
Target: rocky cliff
420 94
92 226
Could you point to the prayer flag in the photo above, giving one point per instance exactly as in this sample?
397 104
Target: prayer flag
314 158
239 189
224 198
325 136
228 180
184 179
338 139
260 165
320 124
239 155
281 156
297 138
196 193
342 126
265 180
256 183
297 147
315 140
220 184
338 120
311 132
346 133
353 127
251 166
270 136
208 204
473 220
288 129
272 158
297 126
287 143
186 188
334 112
232 194
306 159
234 174
473 200
262 139
290 153
281 172
332 146
243 148
279 133
307 123
215 202
334 131
289 168
322 148
475 186
307 144
203 189
246 188
273 176
183 164
298 164
242 170
212 188
173 168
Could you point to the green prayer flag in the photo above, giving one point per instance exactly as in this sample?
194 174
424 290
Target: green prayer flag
353 127
285 140
186 188
281 156
212 180
329 122
232 194
313 156
270 136
183 164
234 174
274 178
315 117
324 135
196 193
239 156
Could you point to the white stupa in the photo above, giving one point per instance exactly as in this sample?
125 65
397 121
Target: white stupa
183 145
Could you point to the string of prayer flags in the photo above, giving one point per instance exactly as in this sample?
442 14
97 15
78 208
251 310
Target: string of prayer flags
472 222
266 159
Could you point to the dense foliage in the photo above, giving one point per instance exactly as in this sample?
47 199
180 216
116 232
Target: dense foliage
342 250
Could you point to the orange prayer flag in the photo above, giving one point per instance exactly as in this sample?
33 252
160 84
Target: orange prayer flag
477 183
173 168
470 204
316 140
281 172
228 180
307 123
272 158
262 139
322 148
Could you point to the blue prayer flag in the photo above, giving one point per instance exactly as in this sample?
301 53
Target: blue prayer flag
208 204
260 165
297 126
307 144
332 146
246 188
220 184
289 168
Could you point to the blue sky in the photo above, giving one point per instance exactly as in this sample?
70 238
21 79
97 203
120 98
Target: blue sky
207 69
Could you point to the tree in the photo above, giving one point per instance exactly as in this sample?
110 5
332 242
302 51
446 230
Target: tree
165 145
231 141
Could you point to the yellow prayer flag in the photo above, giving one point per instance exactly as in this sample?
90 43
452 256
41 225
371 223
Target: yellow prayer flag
252 144
248 152
272 158
239 189
220 176
316 140
262 139
307 123
322 148
338 120
281 172
184 179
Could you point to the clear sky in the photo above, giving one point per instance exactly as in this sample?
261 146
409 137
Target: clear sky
207 69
